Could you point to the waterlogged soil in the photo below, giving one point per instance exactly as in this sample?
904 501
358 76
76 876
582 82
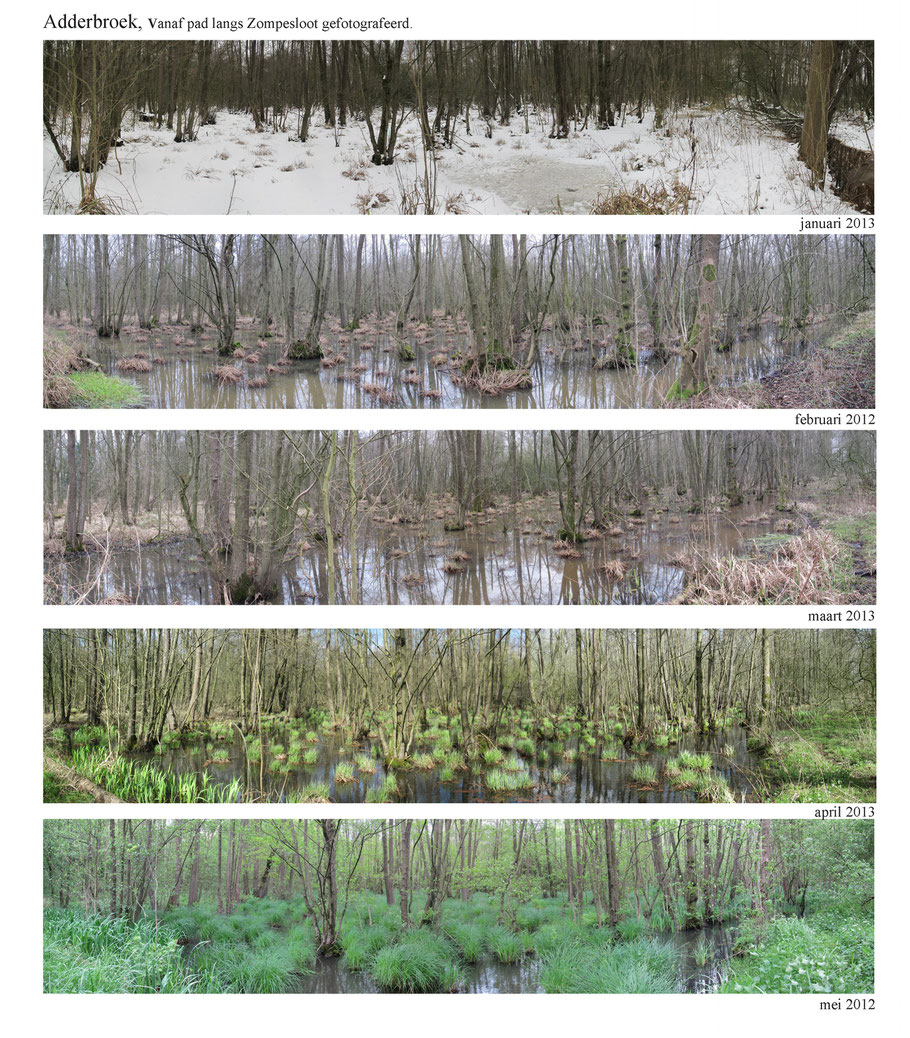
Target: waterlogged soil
509 560
490 977
564 374
600 774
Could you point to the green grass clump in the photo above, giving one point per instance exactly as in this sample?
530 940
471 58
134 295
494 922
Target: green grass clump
499 781
702 951
642 966
301 947
645 774
384 793
685 779
91 735
507 946
344 772
420 962
362 943
558 776
470 939
695 761
631 929
311 793
493 755
525 747
366 764
95 389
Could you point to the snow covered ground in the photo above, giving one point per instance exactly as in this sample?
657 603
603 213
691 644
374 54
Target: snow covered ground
726 160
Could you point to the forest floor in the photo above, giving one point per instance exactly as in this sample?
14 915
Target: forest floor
838 373
823 758
697 160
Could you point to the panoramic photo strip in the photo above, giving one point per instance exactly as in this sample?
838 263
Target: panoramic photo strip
602 127
459 321
461 716
459 517
479 906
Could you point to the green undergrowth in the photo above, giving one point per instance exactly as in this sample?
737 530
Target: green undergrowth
828 952
95 389
102 954
857 532
829 758
266 946
146 784
57 793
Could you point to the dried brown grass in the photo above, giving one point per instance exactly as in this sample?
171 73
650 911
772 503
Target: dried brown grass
615 569
565 550
806 570
645 200
227 374
135 363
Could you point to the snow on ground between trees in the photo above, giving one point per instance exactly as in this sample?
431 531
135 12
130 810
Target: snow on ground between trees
726 160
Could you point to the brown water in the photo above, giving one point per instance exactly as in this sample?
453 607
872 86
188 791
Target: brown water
563 376
510 561
586 779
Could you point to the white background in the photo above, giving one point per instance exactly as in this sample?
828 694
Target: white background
24 616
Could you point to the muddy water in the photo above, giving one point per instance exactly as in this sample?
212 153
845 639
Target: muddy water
563 376
602 774
510 560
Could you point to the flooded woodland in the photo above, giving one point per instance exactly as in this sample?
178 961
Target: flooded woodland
525 906
461 517
461 716
436 321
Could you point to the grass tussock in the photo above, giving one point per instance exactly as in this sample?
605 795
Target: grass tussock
646 200
136 364
422 962
807 570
